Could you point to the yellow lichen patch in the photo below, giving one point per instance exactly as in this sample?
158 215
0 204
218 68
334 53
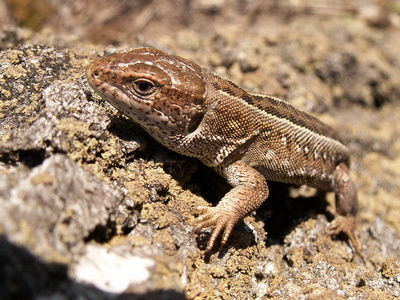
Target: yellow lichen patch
157 175
15 72
186 203
73 127
136 191
391 269
137 240
27 233
42 178
297 257
34 102
110 150
157 214
14 56
384 172
167 273
163 237
9 104
83 151
6 94
6 137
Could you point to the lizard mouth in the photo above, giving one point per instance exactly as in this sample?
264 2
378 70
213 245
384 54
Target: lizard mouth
141 111
113 94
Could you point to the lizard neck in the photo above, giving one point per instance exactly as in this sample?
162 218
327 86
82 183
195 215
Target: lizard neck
222 130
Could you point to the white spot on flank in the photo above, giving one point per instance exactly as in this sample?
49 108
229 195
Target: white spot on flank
302 171
270 154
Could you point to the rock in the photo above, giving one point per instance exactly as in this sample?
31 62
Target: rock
92 207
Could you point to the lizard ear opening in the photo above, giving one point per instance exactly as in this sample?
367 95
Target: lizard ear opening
195 122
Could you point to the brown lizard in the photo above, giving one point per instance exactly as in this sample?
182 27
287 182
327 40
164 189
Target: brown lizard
247 138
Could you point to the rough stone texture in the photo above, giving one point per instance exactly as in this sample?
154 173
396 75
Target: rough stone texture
52 210
91 206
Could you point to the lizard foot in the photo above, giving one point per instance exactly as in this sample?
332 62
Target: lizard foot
221 219
346 225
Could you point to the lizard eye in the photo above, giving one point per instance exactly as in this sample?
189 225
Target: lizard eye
144 87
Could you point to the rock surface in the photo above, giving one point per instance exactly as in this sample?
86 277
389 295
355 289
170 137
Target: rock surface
92 207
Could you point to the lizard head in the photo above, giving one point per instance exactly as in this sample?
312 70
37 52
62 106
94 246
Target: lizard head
163 93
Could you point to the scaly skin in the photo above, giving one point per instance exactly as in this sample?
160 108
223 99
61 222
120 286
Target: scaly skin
247 138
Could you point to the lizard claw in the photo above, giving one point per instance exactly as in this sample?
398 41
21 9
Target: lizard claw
346 225
222 220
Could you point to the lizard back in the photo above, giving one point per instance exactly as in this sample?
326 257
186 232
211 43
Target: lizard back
283 143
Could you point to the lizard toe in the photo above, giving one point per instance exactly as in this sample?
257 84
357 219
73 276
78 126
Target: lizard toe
338 225
346 225
222 221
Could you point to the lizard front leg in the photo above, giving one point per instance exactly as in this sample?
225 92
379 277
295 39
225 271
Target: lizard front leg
249 191
346 206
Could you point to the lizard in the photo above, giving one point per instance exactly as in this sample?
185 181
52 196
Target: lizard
247 138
